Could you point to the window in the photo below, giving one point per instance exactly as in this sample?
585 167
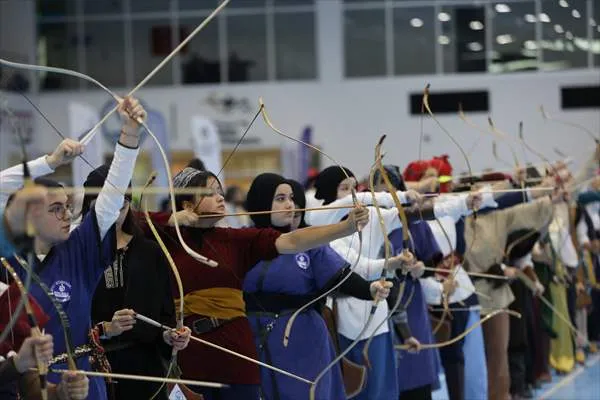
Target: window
105 52
564 34
57 47
364 43
195 5
295 46
595 23
56 8
113 7
200 59
246 48
514 42
152 42
150 5
414 41
462 38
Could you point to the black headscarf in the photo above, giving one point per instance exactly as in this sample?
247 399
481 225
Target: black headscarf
393 172
327 183
260 198
96 179
299 199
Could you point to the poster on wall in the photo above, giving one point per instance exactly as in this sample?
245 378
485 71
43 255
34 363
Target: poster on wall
206 143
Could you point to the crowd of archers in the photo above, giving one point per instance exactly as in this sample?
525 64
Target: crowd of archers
332 289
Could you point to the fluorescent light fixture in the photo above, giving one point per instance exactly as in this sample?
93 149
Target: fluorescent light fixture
476 25
592 22
570 47
504 39
475 46
530 18
575 13
530 45
544 17
416 22
563 4
502 8
558 29
444 17
569 35
443 39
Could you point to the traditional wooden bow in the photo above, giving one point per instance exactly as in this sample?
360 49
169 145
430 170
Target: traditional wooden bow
35 329
290 323
463 334
405 242
62 316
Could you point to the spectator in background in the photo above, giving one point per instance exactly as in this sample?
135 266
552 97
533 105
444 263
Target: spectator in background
234 203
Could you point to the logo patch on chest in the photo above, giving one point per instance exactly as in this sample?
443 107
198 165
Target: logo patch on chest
61 290
303 260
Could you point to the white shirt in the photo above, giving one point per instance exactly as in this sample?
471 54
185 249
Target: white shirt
432 288
353 313
109 201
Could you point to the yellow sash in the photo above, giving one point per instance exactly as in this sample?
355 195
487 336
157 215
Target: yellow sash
222 303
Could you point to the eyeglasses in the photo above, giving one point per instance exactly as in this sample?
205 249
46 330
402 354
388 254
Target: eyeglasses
62 212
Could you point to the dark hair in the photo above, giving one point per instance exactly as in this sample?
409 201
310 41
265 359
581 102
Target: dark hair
231 192
199 180
196 163
45 182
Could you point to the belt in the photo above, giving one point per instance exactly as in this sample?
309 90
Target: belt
206 324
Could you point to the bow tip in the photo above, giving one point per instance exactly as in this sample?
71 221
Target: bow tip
381 139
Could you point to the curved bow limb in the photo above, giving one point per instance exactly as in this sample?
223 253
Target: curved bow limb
582 128
405 239
290 323
174 270
29 228
531 285
62 316
35 329
465 333
226 350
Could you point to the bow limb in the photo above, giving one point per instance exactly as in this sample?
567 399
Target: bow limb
226 350
164 157
62 316
462 151
313 386
29 229
405 238
445 295
76 74
35 329
570 124
531 285
175 271
290 323
465 333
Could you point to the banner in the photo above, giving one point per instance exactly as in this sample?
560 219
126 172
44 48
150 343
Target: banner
207 144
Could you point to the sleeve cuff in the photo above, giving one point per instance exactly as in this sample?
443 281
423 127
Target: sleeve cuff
127 147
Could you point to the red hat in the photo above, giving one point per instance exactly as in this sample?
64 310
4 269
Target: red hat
414 170
444 168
